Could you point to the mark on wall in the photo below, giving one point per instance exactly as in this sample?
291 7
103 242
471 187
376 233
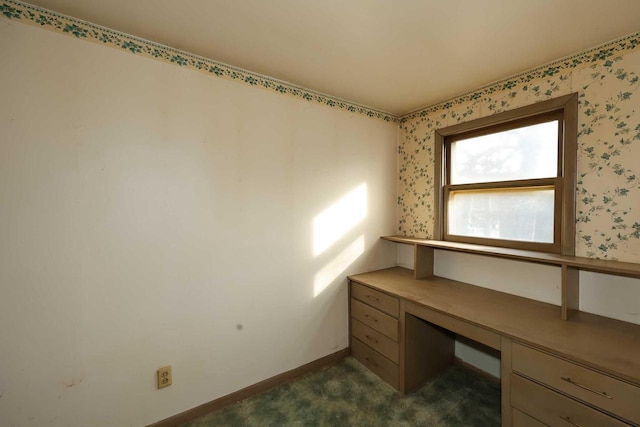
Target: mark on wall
74 382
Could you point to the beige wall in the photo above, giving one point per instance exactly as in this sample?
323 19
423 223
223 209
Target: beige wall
152 215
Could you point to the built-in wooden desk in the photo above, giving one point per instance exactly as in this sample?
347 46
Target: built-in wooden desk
585 371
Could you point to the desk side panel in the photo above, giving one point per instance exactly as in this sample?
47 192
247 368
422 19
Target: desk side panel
429 350
505 377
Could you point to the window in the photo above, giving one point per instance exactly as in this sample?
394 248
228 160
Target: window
509 180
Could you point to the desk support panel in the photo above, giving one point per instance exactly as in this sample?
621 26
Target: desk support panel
505 379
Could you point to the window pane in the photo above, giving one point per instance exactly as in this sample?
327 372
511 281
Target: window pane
525 153
523 215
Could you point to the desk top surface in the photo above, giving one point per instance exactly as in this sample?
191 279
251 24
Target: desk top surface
609 345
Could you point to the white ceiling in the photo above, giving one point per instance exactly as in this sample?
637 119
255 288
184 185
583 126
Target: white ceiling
393 55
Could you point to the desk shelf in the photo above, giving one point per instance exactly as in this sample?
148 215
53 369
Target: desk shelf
570 265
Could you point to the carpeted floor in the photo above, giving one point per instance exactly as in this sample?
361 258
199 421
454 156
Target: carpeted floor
348 394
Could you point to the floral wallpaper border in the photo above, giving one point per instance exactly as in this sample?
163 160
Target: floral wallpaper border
34 15
601 52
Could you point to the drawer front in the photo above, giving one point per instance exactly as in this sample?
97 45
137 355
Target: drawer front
600 390
554 409
377 299
520 419
377 363
375 319
374 339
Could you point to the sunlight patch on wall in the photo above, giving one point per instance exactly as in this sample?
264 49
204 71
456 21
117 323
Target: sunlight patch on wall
337 266
335 221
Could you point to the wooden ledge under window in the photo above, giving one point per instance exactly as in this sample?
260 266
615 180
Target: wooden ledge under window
597 265
570 265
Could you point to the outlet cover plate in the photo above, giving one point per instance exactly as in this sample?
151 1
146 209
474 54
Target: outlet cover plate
164 377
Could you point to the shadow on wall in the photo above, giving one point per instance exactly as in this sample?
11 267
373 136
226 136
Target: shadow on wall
330 226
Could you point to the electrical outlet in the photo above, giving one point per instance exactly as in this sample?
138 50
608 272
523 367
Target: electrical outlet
164 377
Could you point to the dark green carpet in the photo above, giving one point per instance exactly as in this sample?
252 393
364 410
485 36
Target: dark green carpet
348 394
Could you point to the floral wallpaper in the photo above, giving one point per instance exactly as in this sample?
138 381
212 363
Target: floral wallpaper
608 182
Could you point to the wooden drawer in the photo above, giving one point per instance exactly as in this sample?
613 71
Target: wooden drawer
520 419
377 363
377 299
602 391
554 409
375 319
374 339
